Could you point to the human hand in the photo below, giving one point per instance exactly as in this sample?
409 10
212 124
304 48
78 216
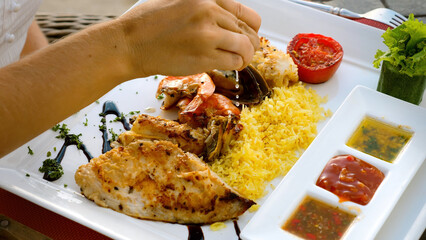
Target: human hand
182 37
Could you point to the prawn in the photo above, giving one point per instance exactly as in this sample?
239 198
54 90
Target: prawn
199 114
175 88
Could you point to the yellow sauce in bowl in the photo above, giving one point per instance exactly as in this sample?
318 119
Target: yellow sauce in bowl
379 139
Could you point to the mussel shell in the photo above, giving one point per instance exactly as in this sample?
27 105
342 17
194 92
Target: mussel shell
248 88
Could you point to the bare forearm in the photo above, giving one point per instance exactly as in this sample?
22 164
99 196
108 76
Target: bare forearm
51 84
35 40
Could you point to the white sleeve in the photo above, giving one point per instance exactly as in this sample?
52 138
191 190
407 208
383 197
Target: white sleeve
15 19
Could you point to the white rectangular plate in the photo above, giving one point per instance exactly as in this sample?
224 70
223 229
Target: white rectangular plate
300 181
281 20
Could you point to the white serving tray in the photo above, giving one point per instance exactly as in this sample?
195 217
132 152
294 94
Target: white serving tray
301 180
281 20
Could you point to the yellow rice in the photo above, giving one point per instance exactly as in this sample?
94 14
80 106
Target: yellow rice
217 226
275 134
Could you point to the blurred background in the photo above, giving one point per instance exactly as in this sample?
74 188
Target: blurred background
117 7
98 7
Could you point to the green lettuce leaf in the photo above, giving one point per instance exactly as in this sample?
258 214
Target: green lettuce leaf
407 47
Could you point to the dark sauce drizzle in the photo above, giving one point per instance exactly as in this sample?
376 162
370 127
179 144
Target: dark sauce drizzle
110 107
195 232
69 140
237 229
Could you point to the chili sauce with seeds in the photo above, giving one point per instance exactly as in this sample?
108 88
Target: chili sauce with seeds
314 219
379 139
351 179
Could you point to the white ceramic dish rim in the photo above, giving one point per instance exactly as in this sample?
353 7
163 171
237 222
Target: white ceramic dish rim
69 203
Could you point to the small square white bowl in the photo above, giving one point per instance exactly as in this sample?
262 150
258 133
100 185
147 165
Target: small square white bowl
300 181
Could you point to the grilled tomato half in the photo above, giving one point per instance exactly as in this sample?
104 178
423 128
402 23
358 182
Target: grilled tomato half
316 56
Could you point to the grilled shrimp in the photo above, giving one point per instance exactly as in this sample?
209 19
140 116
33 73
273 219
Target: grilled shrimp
198 86
215 105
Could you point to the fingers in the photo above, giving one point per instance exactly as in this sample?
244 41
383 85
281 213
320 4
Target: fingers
244 13
237 43
225 60
236 25
195 35
217 59
236 36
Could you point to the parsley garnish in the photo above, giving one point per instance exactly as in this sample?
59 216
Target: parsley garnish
114 135
120 118
75 139
134 112
53 169
56 127
86 122
161 96
63 130
64 133
30 151
102 127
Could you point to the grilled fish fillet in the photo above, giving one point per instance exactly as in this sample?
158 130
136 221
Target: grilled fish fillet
148 127
156 180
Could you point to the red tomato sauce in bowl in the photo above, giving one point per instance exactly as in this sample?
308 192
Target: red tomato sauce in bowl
351 179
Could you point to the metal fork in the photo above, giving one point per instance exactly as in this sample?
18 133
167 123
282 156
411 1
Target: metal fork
383 15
